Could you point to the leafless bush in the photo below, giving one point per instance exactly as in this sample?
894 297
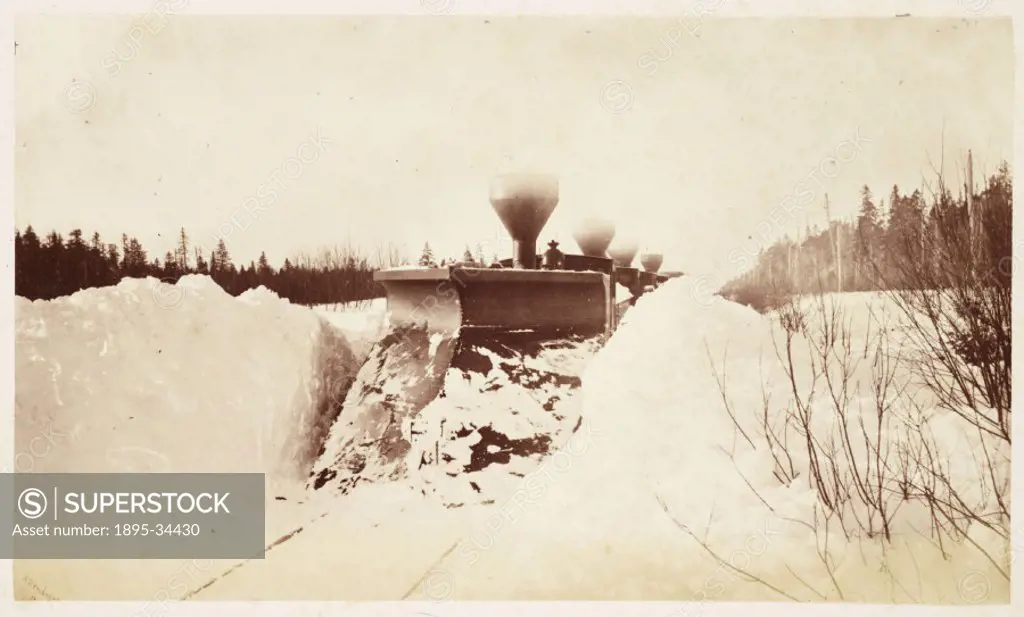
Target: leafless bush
958 310
865 446
956 305
863 400
389 256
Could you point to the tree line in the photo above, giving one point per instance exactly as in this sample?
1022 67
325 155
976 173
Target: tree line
872 251
54 266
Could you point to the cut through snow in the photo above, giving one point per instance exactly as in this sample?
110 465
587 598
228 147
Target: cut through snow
591 462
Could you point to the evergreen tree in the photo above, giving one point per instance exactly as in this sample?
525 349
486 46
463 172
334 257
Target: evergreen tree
869 239
171 265
427 257
264 266
223 258
182 252
113 260
201 265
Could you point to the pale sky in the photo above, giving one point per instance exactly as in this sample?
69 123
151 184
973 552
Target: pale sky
422 111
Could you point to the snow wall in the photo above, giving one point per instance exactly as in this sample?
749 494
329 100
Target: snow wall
146 376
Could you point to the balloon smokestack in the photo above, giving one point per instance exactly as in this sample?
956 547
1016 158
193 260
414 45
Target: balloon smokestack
624 253
524 203
651 262
594 236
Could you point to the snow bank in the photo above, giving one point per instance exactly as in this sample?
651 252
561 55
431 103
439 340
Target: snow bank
725 493
146 376
596 501
658 478
155 377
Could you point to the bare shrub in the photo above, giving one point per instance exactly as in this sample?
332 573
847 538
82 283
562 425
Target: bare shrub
956 305
864 401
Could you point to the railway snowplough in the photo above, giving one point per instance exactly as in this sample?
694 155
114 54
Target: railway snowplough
478 365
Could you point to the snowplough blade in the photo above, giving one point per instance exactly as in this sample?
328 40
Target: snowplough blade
418 298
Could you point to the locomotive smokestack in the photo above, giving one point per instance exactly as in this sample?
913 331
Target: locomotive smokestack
623 253
524 203
651 262
593 236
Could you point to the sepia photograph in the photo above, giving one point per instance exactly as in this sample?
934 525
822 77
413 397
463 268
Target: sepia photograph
441 307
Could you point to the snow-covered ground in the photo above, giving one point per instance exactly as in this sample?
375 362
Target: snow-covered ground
137 377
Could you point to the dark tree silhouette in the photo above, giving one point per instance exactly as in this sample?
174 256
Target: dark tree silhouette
55 267
881 242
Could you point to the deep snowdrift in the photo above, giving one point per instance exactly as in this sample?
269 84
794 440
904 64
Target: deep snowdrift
149 376
145 376
658 455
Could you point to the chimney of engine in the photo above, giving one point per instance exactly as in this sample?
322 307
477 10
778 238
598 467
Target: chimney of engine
593 236
623 253
651 262
524 203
